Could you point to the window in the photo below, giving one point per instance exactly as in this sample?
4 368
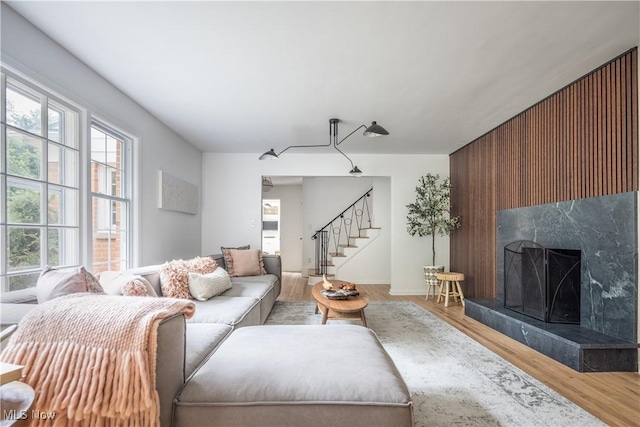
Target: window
40 193
48 210
110 198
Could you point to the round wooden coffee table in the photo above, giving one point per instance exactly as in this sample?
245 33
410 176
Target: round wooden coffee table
343 308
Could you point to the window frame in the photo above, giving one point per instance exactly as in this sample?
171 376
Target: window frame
127 188
52 99
46 98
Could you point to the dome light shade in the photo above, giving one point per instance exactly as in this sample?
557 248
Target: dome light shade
269 155
355 171
375 130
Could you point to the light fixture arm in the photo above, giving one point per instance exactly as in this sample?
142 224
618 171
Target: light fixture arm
304 146
354 131
340 151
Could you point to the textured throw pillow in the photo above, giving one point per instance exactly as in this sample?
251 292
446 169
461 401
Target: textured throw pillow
205 286
174 275
228 261
246 263
54 283
119 283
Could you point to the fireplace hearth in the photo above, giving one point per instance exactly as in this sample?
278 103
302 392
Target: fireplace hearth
543 283
604 229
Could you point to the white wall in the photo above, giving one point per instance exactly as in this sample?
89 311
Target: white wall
162 235
291 233
373 264
323 199
232 195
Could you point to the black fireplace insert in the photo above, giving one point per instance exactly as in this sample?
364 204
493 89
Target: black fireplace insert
543 283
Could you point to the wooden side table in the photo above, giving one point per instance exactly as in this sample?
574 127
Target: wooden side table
450 287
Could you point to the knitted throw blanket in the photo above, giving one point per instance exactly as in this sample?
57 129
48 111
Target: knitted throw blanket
92 358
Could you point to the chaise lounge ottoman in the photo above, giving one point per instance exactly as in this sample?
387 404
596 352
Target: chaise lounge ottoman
296 376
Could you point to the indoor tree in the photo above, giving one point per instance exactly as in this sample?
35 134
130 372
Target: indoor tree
430 213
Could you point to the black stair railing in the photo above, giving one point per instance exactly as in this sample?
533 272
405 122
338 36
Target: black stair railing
339 229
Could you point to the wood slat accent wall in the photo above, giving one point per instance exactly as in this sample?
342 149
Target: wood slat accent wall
580 142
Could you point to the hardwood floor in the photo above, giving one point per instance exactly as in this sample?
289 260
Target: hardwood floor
613 397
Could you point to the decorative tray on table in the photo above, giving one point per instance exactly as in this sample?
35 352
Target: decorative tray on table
340 294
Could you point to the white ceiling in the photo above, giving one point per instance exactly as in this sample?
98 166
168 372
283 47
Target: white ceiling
248 76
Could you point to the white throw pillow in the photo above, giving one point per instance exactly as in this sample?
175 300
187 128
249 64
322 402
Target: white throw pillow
205 286
119 283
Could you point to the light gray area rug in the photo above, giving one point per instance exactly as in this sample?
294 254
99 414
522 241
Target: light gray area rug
453 379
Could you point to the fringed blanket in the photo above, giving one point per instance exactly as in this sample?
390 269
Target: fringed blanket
92 358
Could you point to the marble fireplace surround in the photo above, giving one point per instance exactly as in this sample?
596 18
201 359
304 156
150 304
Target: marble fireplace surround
605 230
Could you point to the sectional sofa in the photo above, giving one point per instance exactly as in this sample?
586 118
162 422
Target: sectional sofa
222 367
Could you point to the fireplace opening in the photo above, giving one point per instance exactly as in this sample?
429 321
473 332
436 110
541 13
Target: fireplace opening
543 283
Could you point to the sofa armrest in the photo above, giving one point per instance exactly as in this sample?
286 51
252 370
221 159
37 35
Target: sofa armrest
273 265
21 296
170 364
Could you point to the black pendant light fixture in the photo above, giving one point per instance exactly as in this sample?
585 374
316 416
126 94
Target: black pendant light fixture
371 131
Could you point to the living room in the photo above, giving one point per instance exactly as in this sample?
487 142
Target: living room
228 178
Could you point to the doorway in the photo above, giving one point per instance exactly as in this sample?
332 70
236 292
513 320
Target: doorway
271 226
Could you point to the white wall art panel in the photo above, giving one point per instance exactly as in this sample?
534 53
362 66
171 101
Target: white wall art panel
175 194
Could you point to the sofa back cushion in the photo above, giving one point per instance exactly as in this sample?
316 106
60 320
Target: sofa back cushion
54 283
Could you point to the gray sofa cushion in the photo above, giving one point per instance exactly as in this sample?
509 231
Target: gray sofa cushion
232 311
252 286
202 340
313 388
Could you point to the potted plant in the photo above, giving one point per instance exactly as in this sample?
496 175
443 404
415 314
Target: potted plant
430 215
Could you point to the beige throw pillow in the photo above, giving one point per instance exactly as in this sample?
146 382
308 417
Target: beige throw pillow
54 283
206 286
174 275
246 263
228 261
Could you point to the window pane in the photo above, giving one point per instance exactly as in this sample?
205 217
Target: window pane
63 206
54 164
23 202
24 110
23 281
3 246
99 267
24 248
98 146
62 246
70 167
63 124
55 124
114 177
119 216
114 150
101 215
101 179
2 152
63 166
24 155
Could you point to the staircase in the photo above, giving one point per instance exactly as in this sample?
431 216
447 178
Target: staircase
346 252
342 238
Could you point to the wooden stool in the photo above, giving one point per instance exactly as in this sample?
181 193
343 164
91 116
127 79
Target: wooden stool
431 284
450 287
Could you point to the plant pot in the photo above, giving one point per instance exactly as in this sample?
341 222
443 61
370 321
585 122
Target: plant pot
430 272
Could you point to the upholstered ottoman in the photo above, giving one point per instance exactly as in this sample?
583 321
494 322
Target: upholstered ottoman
296 376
